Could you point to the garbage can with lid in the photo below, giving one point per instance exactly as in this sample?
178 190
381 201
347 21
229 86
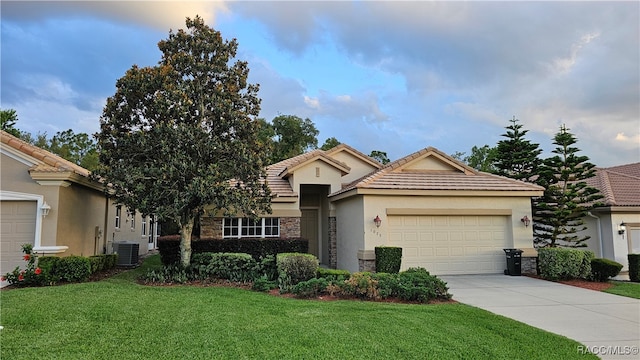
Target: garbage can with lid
514 262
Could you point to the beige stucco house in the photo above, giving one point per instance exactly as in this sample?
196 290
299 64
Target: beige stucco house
614 228
447 217
54 205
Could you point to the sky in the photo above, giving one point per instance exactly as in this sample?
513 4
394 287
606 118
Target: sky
390 76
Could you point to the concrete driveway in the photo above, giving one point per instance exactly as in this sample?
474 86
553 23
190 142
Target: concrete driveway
604 323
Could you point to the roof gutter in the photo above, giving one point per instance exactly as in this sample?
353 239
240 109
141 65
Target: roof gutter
599 232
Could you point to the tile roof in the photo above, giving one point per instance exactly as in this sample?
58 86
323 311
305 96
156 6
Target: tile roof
345 147
620 185
399 175
48 162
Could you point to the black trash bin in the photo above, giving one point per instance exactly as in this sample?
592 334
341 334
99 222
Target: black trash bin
514 262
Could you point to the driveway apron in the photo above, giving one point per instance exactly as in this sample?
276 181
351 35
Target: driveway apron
606 324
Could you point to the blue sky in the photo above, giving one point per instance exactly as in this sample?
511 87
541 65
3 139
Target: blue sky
389 76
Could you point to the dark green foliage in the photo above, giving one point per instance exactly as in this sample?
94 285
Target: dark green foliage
388 285
634 267
171 274
333 275
48 264
380 156
515 157
97 263
111 261
8 119
330 143
416 284
559 215
564 264
263 284
182 135
235 267
310 288
294 268
603 269
268 268
482 158
73 268
293 136
388 259
169 247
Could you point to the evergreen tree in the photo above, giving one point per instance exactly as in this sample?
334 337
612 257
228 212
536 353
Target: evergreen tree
558 215
515 157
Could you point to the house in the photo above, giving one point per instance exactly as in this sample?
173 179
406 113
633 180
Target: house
614 227
54 205
447 216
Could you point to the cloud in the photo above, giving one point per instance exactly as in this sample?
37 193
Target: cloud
160 15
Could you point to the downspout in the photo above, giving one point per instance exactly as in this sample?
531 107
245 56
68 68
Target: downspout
599 232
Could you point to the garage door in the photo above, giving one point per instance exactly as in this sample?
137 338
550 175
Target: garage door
446 245
18 227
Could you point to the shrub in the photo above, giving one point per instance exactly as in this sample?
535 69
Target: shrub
634 267
268 268
31 276
294 268
603 269
73 268
387 285
564 264
416 284
111 260
229 266
310 288
97 263
49 264
362 285
172 274
388 259
333 275
263 284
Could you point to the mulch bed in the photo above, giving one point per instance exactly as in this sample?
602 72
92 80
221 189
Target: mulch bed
585 284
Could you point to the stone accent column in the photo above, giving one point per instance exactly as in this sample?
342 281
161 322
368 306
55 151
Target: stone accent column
333 243
289 227
211 228
529 265
366 260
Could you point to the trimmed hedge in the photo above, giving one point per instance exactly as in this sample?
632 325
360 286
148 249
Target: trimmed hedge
73 268
169 247
564 264
634 267
603 269
294 268
236 267
333 275
388 259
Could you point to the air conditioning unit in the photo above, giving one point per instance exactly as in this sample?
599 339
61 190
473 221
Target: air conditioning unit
127 252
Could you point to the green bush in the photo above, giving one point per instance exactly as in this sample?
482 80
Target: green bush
294 268
362 285
49 264
229 266
310 288
171 274
263 284
564 264
333 275
111 260
268 268
603 269
97 263
387 285
388 259
73 268
416 284
634 267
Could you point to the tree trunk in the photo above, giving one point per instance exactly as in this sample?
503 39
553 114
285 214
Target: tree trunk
185 242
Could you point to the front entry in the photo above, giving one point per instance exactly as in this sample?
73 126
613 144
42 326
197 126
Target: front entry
309 229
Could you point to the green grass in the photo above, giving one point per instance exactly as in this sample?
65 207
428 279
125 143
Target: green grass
625 288
119 319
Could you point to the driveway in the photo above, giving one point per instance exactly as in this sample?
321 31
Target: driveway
603 322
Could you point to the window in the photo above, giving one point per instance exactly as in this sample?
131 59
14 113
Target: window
144 225
118 214
245 227
133 220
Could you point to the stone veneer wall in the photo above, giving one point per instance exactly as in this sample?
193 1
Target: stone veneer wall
211 228
333 243
289 227
529 265
367 265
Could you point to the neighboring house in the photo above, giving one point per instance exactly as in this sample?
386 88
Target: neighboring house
54 205
447 217
620 187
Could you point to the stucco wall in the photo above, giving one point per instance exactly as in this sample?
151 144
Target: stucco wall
358 167
350 232
614 246
328 175
79 212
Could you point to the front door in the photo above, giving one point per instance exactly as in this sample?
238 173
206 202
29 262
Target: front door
152 234
309 229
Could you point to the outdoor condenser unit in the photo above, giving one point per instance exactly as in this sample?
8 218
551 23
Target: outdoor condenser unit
127 252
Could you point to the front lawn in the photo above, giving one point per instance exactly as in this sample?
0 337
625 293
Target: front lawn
119 319
625 288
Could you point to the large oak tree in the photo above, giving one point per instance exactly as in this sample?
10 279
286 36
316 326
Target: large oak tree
181 137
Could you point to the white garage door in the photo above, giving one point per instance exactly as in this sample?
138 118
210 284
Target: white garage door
18 227
446 245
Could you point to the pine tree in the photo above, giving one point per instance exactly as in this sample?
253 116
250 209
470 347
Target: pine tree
558 214
516 157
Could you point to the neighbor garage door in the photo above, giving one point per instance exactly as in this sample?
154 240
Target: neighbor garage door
451 244
18 227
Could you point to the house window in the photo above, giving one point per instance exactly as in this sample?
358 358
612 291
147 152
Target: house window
118 214
132 215
144 225
246 227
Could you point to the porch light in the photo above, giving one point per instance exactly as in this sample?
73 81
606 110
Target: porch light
526 221
621 228
45 209
377 221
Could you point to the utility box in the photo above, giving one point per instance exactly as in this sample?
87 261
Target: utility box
514 262
127 252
